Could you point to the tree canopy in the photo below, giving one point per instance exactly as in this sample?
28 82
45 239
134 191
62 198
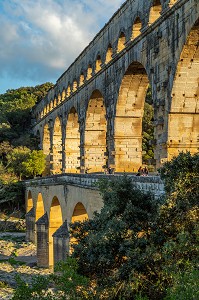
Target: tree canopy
15 117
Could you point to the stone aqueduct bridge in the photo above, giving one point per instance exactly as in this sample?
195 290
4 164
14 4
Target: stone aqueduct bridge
92 117
55 201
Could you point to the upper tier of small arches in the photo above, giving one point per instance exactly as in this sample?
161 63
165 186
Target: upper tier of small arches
102 59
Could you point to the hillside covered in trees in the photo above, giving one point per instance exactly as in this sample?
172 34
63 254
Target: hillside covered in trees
19 155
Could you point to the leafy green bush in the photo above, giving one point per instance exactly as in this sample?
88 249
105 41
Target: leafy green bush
65 283
185 286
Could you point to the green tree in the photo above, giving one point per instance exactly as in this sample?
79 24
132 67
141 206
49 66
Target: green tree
16 159
111 248
15 117
35 163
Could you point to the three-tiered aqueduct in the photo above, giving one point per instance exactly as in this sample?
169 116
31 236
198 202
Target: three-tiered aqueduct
93 115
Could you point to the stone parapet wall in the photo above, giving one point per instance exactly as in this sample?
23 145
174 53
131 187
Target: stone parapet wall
146 183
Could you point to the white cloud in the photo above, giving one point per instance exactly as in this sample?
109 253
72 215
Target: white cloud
40 38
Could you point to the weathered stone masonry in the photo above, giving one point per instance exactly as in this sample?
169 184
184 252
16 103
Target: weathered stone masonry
92 117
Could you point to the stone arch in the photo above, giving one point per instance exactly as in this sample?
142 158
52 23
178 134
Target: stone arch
121 42
172 2
98 64
109 54
45 110
48 108
55 221
68 92
183 121
79 213
72 143
46 146
155 11
57 147
51 105
89 72
137 26
63 94
55 102
95 133
81 79
29 202
39 209
58 99
128 119
75 85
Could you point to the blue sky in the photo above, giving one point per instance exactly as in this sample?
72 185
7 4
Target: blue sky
39 39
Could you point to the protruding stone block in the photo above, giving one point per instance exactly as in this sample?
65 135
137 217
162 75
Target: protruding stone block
30 226
43 241
61 243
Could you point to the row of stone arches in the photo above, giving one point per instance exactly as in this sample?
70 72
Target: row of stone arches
66 141
103 59
89 138
43 228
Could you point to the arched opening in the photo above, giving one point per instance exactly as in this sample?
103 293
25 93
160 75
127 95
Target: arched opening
155 11
183 120
51 105
81 79
128 119
72 144
45 110
63 95
79 215
57 147
109 54
74 86
95 134
98 64
29 202
89 72
55 221
39 212
121 42
58 99
172 2
68 91
137 26
46 149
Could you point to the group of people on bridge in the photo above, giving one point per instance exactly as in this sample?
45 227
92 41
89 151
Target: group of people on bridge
142 171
